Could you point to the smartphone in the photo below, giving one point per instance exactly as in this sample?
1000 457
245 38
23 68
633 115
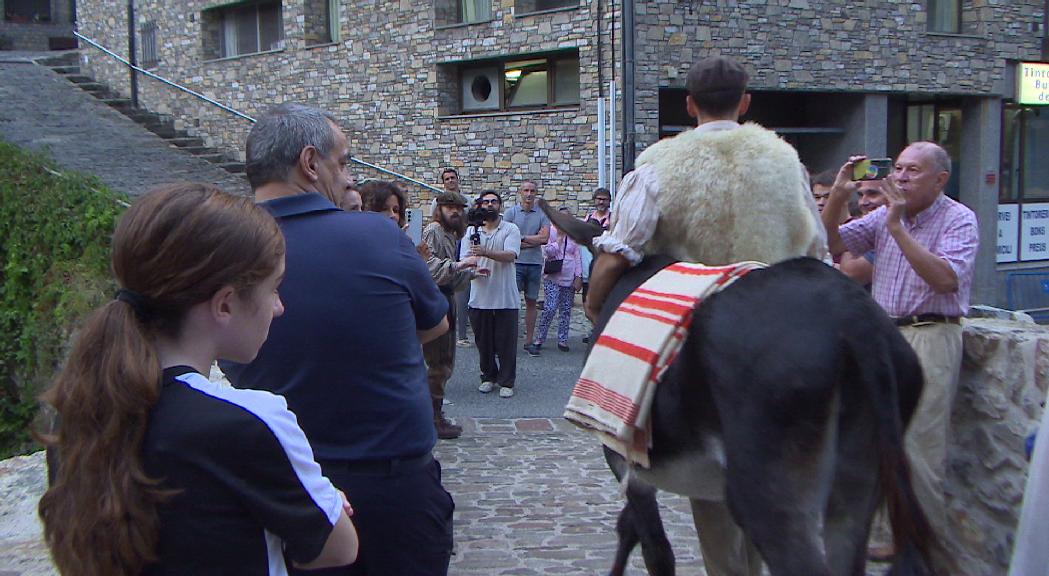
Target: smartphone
414 219
872 169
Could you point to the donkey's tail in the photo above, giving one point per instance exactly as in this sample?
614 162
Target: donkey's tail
882 375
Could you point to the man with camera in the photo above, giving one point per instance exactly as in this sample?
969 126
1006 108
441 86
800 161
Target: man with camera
494 300
441 237
925 244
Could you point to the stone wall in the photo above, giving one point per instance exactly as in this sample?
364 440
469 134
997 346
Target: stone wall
1004 379
832 46
382 81
392 76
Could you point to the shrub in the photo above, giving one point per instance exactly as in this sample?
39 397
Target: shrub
55 231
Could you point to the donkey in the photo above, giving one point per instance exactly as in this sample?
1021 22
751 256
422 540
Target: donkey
788 399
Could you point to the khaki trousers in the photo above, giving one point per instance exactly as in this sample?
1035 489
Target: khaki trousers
939 348
726 550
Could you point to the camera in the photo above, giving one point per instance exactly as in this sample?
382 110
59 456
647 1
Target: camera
475 217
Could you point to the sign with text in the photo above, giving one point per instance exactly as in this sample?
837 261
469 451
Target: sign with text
1008 230
1033 80
1034 231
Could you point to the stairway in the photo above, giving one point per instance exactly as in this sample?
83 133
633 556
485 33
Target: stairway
68 66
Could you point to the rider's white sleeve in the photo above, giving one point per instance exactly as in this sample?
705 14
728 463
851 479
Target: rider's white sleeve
634 216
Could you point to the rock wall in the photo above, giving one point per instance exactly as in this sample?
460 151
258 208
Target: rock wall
1004 378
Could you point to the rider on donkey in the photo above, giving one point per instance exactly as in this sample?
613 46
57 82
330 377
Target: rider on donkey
718 194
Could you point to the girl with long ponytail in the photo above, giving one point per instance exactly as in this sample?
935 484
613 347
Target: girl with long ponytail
161 471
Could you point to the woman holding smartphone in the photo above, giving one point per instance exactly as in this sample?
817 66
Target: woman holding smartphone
160 470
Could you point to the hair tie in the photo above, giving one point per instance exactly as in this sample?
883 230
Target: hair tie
135 300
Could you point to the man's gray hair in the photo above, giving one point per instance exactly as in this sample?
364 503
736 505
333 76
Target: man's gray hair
940 158
279 136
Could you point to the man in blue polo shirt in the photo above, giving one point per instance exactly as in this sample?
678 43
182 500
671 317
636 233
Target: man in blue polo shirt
346 354
535 231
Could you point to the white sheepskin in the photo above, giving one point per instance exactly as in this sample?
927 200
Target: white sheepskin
731 195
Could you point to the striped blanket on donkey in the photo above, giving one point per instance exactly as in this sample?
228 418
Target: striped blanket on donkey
614 393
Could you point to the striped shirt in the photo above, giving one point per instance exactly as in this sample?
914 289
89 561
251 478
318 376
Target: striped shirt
947 229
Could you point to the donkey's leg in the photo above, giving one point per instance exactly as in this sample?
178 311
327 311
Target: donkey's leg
855 492
639 521
780 452
727 551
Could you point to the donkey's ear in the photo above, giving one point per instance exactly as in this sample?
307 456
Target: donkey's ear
581 232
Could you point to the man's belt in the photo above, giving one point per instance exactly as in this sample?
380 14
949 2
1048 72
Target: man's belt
926 319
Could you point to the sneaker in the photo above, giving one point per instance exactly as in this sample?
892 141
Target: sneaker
562 347
505 392
463 343
532 349
486 387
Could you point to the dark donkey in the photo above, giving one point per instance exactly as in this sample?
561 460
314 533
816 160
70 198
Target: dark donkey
788 399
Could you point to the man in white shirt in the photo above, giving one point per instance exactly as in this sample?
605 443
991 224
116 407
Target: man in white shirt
717 194
494 299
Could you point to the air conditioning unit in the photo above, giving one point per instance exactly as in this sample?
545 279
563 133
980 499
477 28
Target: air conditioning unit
482 88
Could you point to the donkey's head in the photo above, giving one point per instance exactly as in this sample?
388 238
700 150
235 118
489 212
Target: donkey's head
582 232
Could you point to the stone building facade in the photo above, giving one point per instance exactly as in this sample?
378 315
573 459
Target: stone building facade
422 86
37 24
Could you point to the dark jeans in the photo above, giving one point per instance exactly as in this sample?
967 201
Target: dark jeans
495 333
403 517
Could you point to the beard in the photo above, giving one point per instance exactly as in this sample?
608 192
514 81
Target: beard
454 223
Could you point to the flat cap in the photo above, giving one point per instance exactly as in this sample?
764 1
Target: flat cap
449 198
716 74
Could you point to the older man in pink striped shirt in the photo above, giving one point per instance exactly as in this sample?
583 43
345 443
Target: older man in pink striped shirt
925 246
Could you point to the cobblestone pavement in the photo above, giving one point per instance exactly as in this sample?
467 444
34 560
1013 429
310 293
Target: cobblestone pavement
533 497
42 110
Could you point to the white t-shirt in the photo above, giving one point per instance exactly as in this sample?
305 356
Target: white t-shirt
499 290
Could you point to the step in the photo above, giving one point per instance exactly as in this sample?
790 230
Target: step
164 130
233 167
142 116
67 59
198 150
215 158
118 103
66 70
187 142
80 79
92 87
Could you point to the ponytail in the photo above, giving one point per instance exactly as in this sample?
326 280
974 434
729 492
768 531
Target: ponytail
100 515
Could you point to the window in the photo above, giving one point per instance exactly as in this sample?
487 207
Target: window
1024 175
939 122
321 21
533 83
450 12
25 11
944 16
148 39
528 6
242 29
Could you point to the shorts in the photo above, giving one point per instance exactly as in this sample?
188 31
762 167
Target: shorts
529 276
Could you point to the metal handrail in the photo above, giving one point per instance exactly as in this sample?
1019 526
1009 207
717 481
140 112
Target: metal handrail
149 74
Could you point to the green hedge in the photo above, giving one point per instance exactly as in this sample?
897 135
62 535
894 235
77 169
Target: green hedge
55 231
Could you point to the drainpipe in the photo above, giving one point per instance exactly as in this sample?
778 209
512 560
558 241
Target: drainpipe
132 52
629 136
1045 32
